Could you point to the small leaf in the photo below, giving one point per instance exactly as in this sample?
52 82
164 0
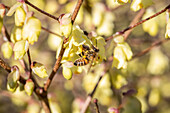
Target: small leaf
29 87
39 69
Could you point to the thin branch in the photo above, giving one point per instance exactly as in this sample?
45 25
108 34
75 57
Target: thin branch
38 9
5 66
76 10
96 104
157 43
5 33
145 51
29 60
30 70
42 95
140 22
90 96
55 68
58 64
47 30
135 20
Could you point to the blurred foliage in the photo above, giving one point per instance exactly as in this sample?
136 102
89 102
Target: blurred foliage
148 74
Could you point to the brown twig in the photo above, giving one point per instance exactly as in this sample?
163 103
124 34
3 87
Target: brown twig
47 30
140 22
38 9
90 96
57 64
41 96
29 60
55 68
5 33
149 48
30 70
76 10
96 104
135 20
5 65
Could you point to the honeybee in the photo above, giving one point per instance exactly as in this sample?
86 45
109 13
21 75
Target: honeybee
86 56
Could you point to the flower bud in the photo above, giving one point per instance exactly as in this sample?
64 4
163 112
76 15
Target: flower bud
6 49
65 25
29 87
20 48
15 73
19 16
39 69
12 79
67 73
16 34
11 86
31 30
